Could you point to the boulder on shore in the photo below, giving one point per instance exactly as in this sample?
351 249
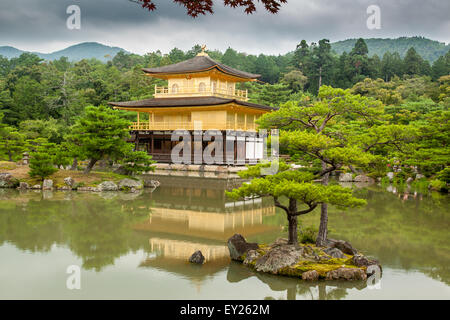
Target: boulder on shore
130 184
334 253
342 245
69 181
197 257
108 186
346 177
278 258
238 246
363 178
362 261
8 181
24 185
47 184
311 275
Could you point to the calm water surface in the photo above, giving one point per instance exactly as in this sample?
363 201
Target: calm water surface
135 246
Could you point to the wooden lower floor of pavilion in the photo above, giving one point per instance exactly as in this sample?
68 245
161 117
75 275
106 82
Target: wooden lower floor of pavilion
231 147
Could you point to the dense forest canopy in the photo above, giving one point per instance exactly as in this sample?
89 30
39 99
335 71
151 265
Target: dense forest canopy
34 89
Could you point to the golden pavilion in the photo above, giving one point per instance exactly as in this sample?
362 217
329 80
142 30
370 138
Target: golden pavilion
201 95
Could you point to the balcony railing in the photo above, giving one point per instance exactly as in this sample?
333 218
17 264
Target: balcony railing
165 92
205 125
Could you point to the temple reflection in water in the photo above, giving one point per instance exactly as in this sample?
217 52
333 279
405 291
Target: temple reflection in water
198 216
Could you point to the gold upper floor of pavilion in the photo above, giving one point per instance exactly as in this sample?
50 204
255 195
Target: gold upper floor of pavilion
205 88
198 90
200 76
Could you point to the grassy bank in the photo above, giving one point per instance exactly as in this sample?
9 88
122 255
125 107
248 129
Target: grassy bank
92 179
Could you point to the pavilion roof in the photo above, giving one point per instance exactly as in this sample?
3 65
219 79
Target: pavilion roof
186 102
199 64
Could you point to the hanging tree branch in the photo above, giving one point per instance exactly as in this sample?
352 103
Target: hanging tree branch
201 7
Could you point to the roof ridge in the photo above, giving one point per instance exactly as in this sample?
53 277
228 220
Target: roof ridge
197 64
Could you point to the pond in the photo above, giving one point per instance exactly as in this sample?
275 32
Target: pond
136 245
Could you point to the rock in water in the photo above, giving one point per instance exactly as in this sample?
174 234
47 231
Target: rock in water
151 184
362 261
346 177
334 253
346 274
238 246
311 275
108 186
197 257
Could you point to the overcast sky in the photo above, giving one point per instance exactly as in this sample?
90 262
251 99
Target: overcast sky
40 25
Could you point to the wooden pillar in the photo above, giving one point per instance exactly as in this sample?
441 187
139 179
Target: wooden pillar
245 123
224 147
235 121
153 143
138 114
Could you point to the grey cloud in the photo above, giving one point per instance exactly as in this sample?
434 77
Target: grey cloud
40 25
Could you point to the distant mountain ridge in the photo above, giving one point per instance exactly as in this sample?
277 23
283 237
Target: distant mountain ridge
85 50
429 49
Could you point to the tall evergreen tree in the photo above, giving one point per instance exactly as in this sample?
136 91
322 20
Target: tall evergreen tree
412 63
101 132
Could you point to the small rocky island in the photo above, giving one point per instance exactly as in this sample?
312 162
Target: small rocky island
337 261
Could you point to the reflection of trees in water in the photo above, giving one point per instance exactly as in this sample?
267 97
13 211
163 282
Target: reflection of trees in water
96 230
99 228
409 234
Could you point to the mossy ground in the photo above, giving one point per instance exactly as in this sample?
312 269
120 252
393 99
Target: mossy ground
6 166
322 266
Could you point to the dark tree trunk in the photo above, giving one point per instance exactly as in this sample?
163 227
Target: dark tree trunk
74 164
10 155
323 228
293 237
293 222
320 77
90 166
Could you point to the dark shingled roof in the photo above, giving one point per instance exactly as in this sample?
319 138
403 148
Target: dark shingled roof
186 102
197 64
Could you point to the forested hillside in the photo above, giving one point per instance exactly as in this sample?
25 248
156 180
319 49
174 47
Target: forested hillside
430 50
86 50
